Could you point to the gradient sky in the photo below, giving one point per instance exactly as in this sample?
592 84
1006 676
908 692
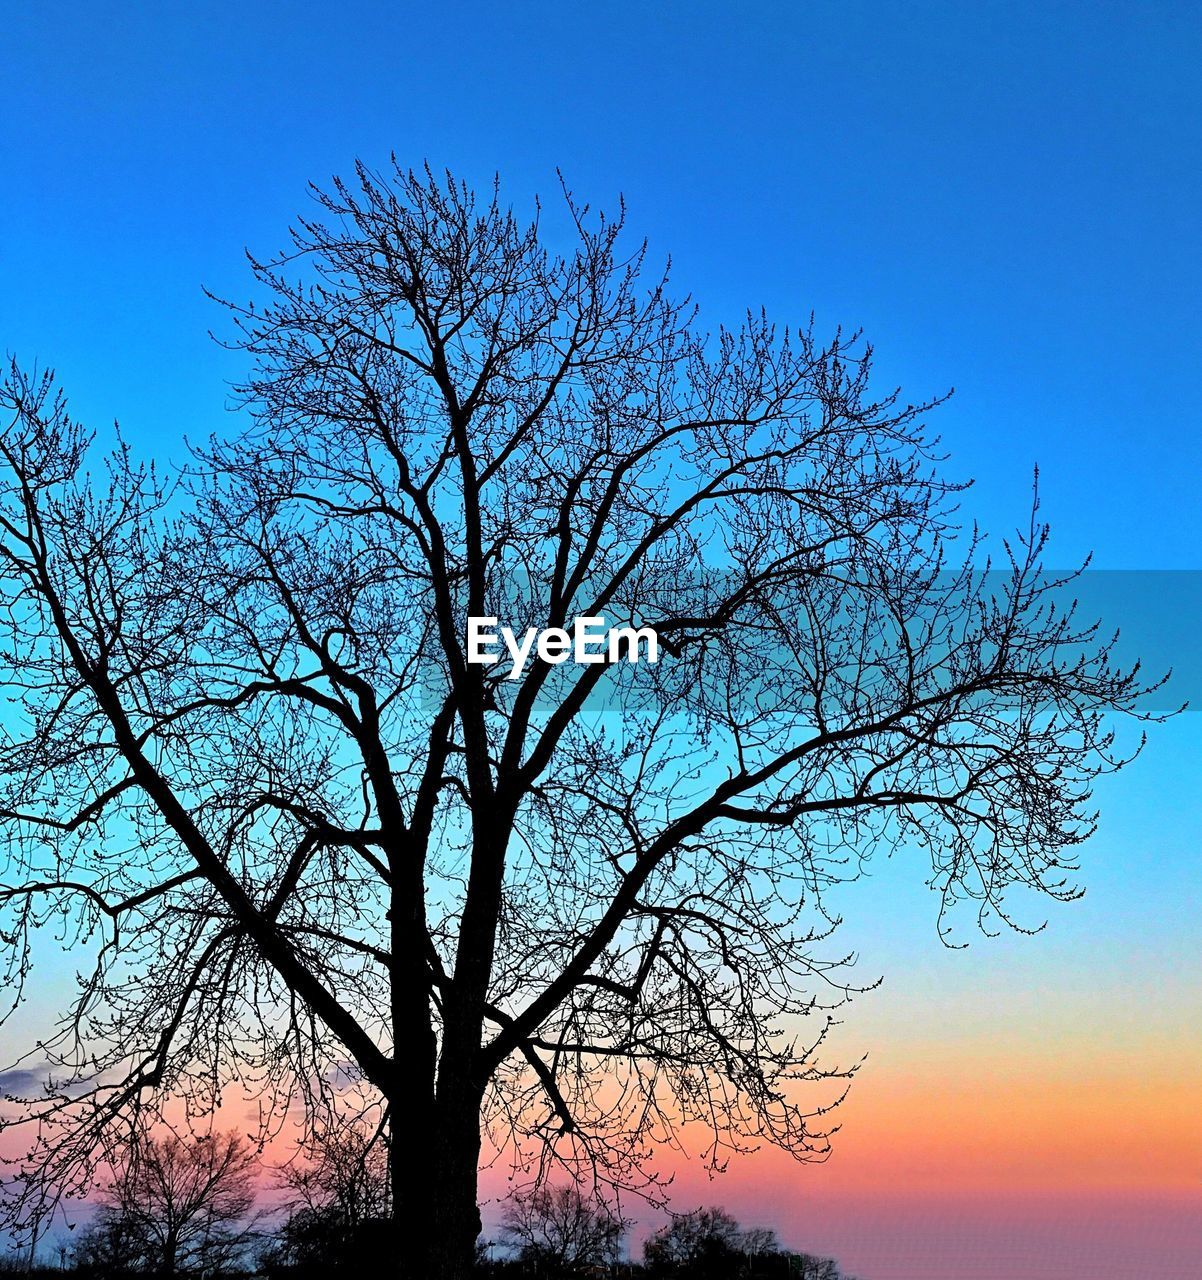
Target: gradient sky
1007 197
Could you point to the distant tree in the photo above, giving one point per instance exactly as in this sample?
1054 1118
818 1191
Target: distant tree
702 1242
109 1248
758 1242
807 1266
309 1242
711 1245
175 1206
344 1167
338 1192
561 1228
248 761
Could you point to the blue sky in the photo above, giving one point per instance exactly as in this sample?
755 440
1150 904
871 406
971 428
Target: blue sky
1006 196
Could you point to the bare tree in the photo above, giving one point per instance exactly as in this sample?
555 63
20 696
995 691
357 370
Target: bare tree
757 1242
249 763
343 1167
805 1266
708 1242
338 1194
175 1207
700 1242
562 1228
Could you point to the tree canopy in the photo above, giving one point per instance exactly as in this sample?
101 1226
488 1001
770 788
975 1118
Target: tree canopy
174 1207
314 851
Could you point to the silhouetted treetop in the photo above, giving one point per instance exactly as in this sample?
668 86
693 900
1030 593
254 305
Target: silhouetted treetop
249 768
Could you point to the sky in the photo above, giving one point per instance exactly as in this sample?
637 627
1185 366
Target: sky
1007 197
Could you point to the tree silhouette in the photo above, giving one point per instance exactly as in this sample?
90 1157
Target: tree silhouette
708 1244
338 1194
174 1207
561 1228
702 1242
343 1167
248 763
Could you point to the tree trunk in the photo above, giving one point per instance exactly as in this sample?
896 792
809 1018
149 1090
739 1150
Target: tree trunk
434 1173
169 1251
434 1181
455 1220
414 1144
